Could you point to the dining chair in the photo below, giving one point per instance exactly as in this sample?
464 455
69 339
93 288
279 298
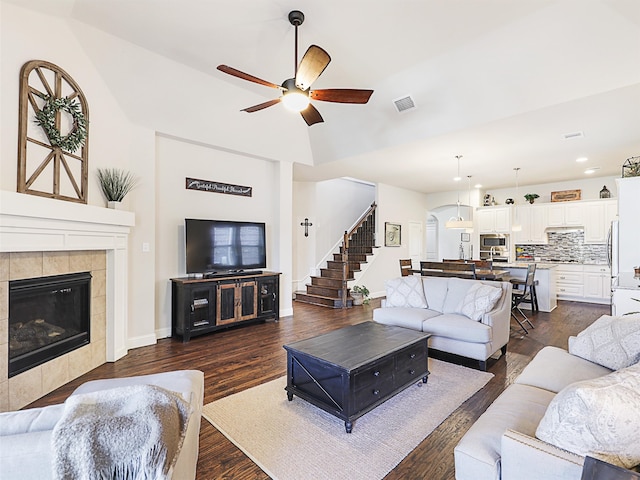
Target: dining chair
518 296
405 267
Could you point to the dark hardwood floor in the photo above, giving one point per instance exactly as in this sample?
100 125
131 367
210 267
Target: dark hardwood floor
240 358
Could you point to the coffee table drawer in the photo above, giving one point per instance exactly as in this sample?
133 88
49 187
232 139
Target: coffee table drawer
411 364
379 372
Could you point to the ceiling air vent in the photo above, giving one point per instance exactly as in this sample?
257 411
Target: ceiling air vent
404 104
573 135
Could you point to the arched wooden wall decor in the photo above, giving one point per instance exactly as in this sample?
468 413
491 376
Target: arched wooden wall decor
53 135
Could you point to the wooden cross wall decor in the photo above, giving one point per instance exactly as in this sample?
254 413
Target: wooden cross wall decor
306 224
53 134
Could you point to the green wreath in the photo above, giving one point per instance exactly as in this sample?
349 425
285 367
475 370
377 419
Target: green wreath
46 118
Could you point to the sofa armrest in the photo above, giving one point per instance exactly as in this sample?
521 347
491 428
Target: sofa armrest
30 420
527 458
500 317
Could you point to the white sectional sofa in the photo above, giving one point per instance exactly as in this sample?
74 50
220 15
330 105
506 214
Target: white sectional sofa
26 435
561 408
465 317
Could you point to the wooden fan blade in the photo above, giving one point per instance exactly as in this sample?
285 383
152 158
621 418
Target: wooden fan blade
311 115
341 95
313 63
245 76
261 106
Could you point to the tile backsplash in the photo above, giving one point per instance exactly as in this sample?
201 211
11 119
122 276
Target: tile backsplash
564 246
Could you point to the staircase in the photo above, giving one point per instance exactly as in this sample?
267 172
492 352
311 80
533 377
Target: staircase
330 288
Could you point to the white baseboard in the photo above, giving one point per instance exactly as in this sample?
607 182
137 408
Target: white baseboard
142 341
163 333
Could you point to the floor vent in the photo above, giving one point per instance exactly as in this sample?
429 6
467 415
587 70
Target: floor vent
404 104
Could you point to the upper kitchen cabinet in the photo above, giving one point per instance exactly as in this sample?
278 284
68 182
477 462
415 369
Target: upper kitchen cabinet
598 216
570 214
494 220
533 219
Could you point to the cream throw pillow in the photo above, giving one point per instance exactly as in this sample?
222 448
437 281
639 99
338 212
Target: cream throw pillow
479 300
599 418
405 292
613 342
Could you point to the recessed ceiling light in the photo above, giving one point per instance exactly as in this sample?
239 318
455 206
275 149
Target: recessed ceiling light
457 179
591 170
581 159
477 185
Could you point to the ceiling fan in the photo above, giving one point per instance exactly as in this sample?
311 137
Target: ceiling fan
296 91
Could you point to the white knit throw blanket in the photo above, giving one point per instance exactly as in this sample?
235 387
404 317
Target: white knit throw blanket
125 433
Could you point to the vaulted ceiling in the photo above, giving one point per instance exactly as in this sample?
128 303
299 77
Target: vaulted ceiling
501 82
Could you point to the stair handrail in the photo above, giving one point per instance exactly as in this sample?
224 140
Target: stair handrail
345 250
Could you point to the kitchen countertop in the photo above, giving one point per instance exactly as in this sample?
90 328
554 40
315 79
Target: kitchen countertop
539 265
626 281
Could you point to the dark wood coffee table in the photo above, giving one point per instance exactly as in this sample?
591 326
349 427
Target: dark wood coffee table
350 371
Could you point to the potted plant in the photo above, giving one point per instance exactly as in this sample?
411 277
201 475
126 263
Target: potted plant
531 197
115 184
360 295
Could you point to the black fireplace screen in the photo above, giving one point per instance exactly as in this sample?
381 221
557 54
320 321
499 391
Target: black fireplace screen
48 317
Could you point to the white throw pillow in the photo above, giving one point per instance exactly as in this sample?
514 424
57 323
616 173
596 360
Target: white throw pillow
613 342
598 417
405 292
479 300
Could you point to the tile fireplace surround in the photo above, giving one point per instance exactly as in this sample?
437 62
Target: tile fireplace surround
40 237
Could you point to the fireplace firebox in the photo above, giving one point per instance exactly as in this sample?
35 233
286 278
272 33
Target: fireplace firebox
48 317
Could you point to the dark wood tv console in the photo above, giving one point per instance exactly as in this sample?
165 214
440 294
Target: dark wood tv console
204 305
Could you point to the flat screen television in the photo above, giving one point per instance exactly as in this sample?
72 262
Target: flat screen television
220 246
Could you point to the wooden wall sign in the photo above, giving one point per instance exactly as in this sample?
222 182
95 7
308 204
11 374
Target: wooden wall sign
566 195
53 134
217 187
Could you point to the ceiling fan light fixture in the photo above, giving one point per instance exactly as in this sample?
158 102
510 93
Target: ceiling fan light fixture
295 101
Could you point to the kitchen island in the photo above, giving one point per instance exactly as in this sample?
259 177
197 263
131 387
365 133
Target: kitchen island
546 289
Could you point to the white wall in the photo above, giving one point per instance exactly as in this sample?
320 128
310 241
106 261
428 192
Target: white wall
395 205
132 95
332 206
177 160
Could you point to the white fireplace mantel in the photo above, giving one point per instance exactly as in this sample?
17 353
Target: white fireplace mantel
29 223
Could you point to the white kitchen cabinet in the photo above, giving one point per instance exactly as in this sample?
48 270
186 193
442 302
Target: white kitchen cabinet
597 219
584 283
533 219
597 283
494 220
569 280
565 214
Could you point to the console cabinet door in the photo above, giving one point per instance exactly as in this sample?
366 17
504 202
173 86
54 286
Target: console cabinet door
268 297
226 303
247 294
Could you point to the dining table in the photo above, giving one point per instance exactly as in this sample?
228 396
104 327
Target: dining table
481 273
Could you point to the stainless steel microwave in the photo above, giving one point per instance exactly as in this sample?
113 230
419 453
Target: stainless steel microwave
493 240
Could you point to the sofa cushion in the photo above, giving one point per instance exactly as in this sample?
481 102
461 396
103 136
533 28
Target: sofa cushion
405 292
403 317
520 408
28 455
435 291
613 342
554 368
598 417
479 300
457 288
456 326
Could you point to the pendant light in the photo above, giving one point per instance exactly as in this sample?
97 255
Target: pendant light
458 221
516 226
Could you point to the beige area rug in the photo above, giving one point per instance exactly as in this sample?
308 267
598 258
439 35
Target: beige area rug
298 441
